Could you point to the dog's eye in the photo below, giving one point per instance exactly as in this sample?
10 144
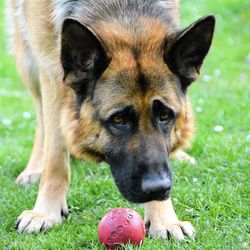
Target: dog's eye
118 120
164 116
122 121
162 112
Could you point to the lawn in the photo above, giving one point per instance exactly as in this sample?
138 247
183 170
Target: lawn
214 195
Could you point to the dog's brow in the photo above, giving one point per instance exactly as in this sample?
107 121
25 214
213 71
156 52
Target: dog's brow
119 107
168 104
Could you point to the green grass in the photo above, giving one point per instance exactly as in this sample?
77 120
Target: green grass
214 195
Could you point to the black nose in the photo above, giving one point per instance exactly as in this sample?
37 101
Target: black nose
156 183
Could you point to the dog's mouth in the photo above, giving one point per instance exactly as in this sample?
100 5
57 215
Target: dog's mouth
141 197
132 191
153 197
142 182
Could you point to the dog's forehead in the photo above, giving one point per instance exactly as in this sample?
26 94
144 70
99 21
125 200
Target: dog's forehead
137 86
147 34
137 72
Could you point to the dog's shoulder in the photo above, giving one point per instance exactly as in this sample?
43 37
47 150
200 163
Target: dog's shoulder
90 12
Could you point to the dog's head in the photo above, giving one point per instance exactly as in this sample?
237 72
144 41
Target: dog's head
125 97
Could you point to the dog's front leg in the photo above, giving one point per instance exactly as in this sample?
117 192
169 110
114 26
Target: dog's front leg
161 220
51 201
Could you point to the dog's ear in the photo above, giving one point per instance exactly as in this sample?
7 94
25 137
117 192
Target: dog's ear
82 56
189 48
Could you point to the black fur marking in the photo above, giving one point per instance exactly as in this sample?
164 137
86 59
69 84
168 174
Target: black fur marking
131 166
189 50
147 226
136 53
142 81
79 100
42 227
17 223
64 213
83 59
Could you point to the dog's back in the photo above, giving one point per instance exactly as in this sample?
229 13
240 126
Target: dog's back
124 12
37 24
35 28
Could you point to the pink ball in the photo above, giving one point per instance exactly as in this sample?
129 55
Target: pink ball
121 226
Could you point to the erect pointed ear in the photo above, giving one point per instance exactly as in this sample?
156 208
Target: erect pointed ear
187 52
82 56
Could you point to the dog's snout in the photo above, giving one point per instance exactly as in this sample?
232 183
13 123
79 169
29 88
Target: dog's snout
158 184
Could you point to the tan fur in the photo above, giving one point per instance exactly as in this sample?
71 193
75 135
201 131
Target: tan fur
80 135
183 132
28 73
163 221
147 40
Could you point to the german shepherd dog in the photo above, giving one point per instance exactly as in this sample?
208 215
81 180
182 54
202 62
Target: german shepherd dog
109 81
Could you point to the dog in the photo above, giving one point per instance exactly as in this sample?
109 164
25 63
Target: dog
109 81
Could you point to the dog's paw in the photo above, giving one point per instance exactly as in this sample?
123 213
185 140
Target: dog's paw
177 231
32 222
182 156
28 177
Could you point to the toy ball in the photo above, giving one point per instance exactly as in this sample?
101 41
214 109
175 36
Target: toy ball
121 226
